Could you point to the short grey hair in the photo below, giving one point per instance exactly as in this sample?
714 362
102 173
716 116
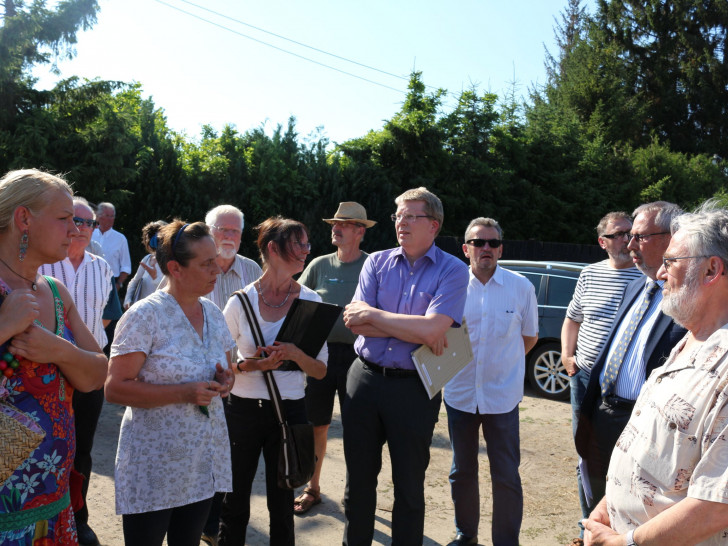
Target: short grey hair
706 230
485 222
611 217
433 205
214 213
664 213
105 205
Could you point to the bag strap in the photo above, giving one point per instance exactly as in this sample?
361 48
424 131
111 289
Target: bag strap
57 303
270 382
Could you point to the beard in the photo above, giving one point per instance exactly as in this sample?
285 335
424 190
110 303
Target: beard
681 304
226 251
622 257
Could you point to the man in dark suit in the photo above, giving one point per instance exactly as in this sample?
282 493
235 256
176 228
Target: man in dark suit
640 340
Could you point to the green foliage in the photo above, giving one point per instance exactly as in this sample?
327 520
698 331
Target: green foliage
633 110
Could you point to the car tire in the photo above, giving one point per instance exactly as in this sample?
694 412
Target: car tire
546 373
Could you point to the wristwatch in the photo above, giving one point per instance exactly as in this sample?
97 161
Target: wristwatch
630 538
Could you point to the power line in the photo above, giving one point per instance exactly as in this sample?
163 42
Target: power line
280 48
294 41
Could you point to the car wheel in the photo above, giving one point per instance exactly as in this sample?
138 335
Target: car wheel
546 373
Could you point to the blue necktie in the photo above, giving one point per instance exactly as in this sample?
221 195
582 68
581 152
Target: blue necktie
610 376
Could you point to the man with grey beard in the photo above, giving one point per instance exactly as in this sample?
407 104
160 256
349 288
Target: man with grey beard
640 340
668 475
226 226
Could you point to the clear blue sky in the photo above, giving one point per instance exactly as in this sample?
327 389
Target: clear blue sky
202 74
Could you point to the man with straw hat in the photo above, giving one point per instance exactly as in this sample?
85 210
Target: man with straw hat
334 277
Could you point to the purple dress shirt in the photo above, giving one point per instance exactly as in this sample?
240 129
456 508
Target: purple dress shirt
436 284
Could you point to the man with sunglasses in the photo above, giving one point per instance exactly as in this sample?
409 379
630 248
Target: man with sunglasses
640 339
89 280
406 297
502 316
668 475
589 316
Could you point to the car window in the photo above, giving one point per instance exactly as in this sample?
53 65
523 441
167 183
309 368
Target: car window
535 279
560 291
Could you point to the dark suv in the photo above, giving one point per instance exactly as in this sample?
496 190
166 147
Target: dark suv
555 283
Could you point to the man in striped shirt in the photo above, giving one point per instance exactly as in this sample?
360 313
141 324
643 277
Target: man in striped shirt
591 312
89 280
639 341
226 225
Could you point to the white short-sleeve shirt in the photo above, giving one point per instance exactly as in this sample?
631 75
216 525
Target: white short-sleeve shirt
291 384
171 455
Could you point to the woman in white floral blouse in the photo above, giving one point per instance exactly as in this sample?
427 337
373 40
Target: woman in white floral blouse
170 365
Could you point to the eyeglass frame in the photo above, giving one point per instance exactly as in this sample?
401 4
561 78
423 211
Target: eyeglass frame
88 222
617 235
666 261
409 218
228 231
644 237
492 243
306 246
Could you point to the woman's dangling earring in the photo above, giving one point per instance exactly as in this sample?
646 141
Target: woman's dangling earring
23 245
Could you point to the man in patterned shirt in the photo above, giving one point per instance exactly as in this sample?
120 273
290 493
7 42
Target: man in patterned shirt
668 477
592 310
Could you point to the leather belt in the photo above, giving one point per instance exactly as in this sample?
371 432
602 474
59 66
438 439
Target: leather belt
617 402
388 372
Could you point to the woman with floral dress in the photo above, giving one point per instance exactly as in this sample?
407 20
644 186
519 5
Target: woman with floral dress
170 365
46 353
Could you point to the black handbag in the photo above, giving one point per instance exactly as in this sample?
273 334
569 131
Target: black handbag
296 458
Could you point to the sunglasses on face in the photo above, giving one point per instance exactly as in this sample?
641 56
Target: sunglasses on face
492 243
85 221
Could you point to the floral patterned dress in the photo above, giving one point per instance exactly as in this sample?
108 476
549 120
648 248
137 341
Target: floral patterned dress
173 455
35 506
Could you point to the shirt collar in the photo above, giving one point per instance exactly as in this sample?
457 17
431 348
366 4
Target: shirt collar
236 268
496 278
431 253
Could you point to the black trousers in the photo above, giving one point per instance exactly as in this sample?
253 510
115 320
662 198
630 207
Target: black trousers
398 411
253 427
182 525
87 409
609 421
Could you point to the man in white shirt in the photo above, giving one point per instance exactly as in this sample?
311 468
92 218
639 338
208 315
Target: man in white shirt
116 253
501 312
89 280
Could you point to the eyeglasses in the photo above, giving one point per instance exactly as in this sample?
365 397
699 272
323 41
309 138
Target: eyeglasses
619 235
233 232
303 246
492 243
409 218
346 223
85 221
667 262
643 238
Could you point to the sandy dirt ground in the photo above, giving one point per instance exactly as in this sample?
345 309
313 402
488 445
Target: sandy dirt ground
548 460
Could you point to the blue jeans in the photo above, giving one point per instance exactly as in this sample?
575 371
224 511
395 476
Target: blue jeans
502 440
578 383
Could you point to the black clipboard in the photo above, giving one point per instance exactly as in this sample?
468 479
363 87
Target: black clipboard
307 325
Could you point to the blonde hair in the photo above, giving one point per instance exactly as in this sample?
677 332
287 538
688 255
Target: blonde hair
29 188
433 205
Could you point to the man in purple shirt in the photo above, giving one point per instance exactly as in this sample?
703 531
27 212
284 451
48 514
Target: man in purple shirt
407 297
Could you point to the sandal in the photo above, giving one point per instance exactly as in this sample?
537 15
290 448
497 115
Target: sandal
306 500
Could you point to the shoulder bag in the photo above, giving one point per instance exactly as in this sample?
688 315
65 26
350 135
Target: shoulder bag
296 458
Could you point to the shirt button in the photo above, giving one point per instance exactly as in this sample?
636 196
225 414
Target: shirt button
389 348
659 379
638 412
672 426
412 273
